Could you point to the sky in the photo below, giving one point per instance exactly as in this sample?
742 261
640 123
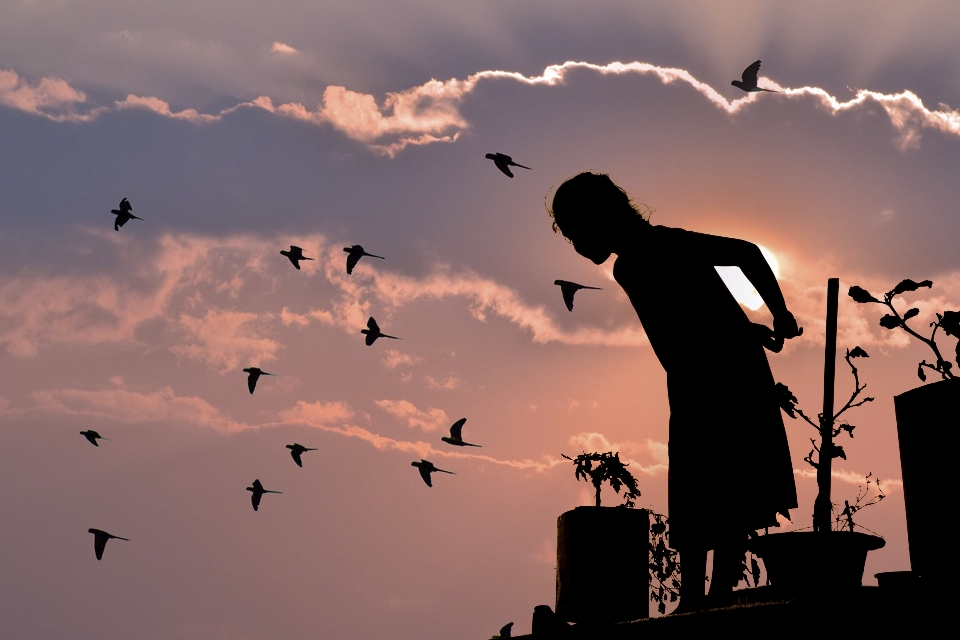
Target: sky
239 129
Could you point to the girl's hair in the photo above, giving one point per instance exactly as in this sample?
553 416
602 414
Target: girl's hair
592 196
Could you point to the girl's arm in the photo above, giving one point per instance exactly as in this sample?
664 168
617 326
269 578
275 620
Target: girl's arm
723 252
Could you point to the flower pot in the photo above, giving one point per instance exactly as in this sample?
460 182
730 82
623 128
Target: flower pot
602 564
807 561
927 421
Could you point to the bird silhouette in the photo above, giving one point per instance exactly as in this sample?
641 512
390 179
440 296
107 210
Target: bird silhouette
373 332
255 373
505 631
123 214
455 438
295 255
100 538
92 437
354 254
426 468
749 81
257 490
296 450
504 162
568 288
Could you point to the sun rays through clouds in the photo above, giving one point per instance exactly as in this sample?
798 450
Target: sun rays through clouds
431 112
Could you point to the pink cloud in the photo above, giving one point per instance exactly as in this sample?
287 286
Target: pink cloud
426 419
282 49
318 414
226 339
854 478
591 441
859 324
393 359
51 97
449 383
427 450
132 407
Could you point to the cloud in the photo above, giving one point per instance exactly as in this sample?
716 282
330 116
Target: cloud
487 296
132 407
429 420
51 97
282 49
859 324
430 112
393 359
855 478
318 414
591 441
192 285
449 383
162 108
324 416
226 339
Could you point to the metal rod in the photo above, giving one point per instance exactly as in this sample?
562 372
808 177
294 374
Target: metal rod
821 508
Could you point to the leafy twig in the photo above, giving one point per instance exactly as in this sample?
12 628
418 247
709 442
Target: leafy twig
949 321
664 572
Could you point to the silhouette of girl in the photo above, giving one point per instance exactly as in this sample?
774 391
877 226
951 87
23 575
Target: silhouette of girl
730 471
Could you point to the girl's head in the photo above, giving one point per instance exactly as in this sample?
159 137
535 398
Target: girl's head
593 213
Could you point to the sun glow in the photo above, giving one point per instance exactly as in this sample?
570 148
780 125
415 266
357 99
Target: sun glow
740 287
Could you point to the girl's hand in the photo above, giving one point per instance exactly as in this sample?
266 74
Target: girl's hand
785 326
767 337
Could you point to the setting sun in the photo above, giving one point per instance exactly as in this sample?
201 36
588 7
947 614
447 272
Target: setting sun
740 287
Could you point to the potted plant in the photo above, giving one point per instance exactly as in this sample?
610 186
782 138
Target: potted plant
602 559
928 410
799 561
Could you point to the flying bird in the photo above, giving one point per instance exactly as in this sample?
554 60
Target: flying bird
92 436
373 332
749 81
257 490
123 214
296 450
568 288
504 162
100 538
295 255
354 254
505 631
426 468
455 438
255 373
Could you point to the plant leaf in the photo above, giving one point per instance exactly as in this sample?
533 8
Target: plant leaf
921 374
911 313
861 295
910 285
857 352
788 401
890 322
951 323
838 452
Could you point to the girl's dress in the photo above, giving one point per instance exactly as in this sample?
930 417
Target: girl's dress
730 470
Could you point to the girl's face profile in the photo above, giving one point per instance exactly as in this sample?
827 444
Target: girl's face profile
588 242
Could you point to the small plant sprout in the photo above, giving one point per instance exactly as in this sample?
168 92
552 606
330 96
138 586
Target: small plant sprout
949 321
844 519
606 467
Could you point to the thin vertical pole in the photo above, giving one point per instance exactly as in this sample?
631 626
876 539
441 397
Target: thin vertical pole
821 508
